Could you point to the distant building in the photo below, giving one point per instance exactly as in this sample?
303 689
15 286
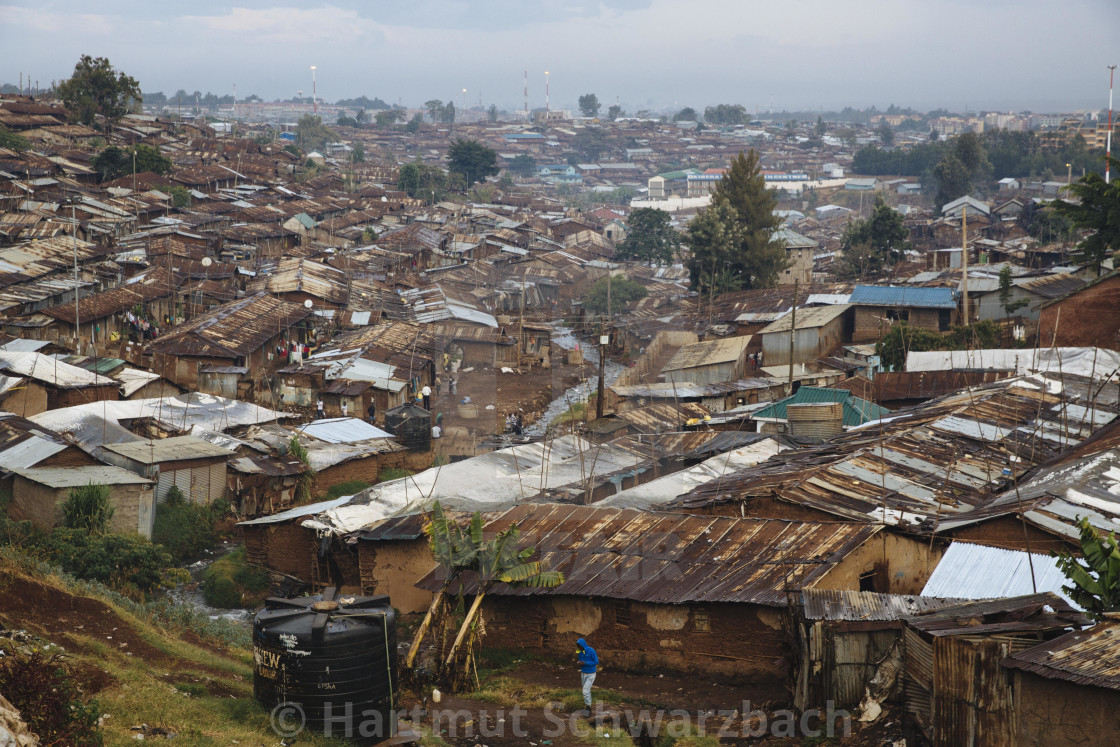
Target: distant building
799 252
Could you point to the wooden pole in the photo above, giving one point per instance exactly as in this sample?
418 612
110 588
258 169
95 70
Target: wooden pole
792 332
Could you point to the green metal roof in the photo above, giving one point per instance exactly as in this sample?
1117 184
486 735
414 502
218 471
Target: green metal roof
856 411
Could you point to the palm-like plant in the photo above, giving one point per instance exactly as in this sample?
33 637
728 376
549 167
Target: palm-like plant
494 560
1095 577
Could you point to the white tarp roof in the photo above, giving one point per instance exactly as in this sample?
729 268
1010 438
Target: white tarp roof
343 430
490 482
664 489
49 370
1087 362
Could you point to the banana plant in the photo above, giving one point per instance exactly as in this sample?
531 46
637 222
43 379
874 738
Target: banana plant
1094 577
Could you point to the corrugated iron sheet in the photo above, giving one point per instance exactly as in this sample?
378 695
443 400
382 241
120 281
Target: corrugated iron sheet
674 559
1086 657
866 606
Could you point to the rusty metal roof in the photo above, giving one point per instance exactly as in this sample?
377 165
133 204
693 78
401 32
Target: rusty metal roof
1085 657
867 606
673 558
932 466
233 330
1030 613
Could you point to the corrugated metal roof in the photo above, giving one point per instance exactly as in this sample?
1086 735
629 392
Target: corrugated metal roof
1030 613
673 558
73 477
856 411
343 430
712 352
969 571
297 512
861 606
1085 657
807 318
179 448
887 295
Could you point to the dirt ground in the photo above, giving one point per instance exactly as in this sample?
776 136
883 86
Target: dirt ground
469 719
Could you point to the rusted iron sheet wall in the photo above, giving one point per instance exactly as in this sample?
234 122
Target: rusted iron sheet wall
972 693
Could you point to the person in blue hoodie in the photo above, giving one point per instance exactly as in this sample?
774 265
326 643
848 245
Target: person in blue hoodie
588 666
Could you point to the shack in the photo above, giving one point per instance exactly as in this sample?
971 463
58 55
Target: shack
879 307
709 362
821 330
196 467
38 494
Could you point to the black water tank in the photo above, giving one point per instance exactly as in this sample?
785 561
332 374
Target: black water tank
412 425
331 661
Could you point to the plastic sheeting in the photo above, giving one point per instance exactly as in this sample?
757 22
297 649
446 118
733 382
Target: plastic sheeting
1094 363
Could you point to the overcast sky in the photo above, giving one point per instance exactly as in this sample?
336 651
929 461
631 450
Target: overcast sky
1042 55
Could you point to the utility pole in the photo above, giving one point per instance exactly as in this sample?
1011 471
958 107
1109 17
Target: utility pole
74 241
134 170
792 332
604 338
1108 135
964 260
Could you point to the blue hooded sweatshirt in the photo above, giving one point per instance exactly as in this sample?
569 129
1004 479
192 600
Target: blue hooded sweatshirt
588 659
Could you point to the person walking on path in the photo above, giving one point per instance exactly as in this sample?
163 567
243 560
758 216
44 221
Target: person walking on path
319 410
372 412
588 666
439 385
427 392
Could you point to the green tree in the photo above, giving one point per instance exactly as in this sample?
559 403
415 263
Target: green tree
726 114
687 114
589 105
715 239
414 124
180 196
873 242
1095 576
1005 290
523 165
473 160
435 110
590 143
652 237
759 259
88 508
422 181
821 128
1097 210
449 112
361 117
312 134
614 111
953 179
12 141
388 117
622 292
358 153
885 133
492 113
1049 225
96 88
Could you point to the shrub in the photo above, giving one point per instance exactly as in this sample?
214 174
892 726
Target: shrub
231 582
346 488
46 693
128 563
185 528
88 508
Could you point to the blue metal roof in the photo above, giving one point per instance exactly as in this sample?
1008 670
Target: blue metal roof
889 295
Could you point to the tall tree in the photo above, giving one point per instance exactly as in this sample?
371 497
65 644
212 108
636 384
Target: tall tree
523 165
953 179
729 114
885 133
422 181
714 240
652 237
614 111
312 133
96 88
687 114
114 162
589 105
1005 291
875 241
435 109
759 259
473 160
1097 210
590 143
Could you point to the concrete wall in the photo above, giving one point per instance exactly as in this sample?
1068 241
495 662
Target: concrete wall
1055 712
741 643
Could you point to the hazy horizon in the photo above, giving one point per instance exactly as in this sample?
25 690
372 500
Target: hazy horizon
808 55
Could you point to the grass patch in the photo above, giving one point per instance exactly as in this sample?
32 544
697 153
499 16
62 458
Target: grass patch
606 736
231 582
577 411
345 488
393 473
184 528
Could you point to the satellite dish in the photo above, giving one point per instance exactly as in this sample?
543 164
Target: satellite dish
206 261
308 304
